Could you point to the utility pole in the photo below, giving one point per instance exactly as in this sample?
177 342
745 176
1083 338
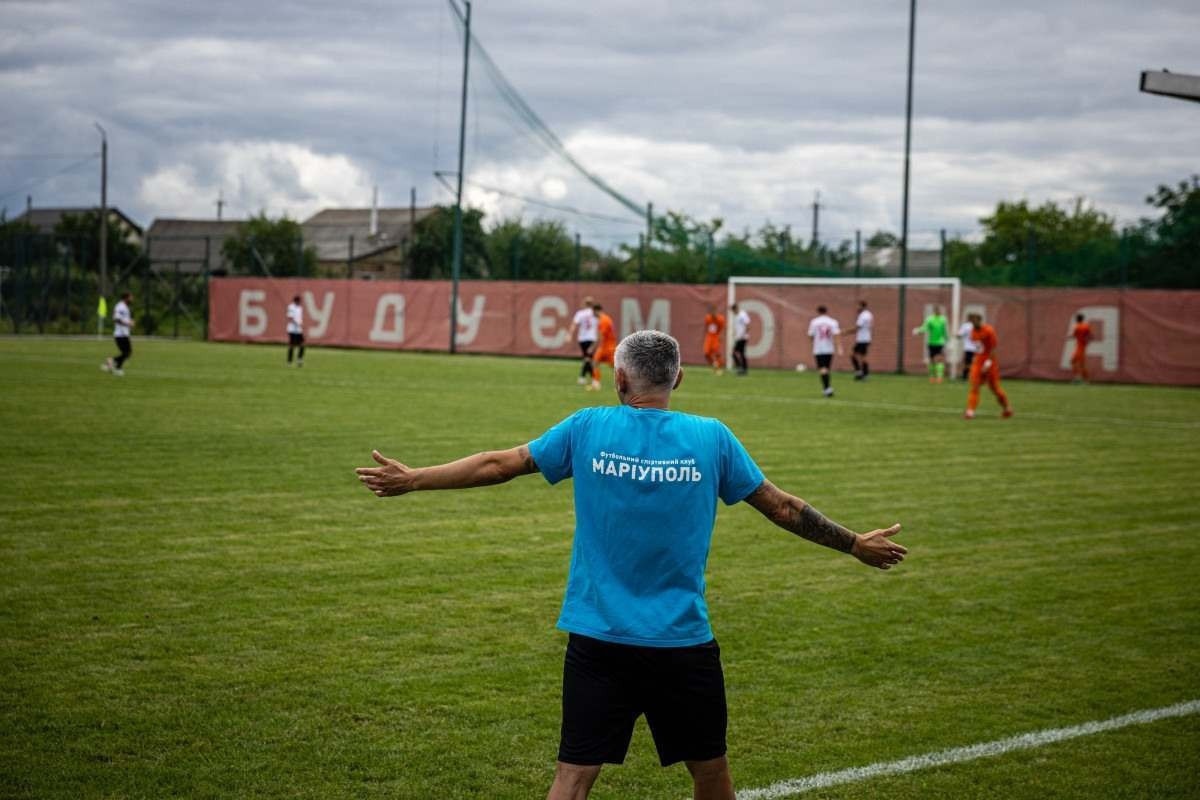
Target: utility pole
649 222
857 252
220 203
412 230
578 257
103 212
456 266
900 326
816 219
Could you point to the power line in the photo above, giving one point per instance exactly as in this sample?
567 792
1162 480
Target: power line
513 98
44 156
441 176
38 181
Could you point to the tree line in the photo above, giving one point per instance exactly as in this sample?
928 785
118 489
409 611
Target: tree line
1071 244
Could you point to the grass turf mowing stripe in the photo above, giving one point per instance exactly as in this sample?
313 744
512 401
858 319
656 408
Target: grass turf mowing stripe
957 412
958 755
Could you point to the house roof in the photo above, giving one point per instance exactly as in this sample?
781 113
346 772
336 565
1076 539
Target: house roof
330 231
189 241
46 219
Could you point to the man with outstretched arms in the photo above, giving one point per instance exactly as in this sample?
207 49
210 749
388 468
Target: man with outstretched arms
985 367
864 323
646 485
583 328
936 329
741 332
823 330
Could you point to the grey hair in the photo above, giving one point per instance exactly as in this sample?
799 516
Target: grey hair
650 359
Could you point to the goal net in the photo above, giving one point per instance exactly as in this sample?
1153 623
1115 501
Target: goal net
781 308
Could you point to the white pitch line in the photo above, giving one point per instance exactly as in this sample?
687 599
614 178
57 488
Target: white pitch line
958 755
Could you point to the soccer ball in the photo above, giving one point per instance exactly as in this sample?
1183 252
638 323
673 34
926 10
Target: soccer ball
800 368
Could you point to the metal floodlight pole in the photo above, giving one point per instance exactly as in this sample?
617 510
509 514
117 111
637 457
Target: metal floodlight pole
456 264
900 326
103 219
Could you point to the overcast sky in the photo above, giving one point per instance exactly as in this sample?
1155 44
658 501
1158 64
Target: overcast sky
739 110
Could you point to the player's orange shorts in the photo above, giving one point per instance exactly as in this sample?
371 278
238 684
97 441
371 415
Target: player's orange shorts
1080 355
712 347
605 355
980 376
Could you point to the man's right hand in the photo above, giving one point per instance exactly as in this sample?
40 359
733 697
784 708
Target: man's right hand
389 479
876 549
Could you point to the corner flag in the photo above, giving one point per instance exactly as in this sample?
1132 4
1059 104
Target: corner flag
102 308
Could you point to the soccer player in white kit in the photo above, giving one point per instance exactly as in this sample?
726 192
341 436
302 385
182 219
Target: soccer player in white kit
295 330
584 327
122 327
822 330
741 332
863 326
969 346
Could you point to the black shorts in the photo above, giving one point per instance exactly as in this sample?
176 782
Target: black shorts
586 348
968 357
936 350
606 687
295 338
860 348
824 361
124 345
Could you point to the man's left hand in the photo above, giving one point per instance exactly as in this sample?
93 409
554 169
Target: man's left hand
876 549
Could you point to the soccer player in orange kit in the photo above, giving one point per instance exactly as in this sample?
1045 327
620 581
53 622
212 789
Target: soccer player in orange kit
1083 334
714 323
984 367
606 347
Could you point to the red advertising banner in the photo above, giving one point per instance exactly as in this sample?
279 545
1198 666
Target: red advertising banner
1140 336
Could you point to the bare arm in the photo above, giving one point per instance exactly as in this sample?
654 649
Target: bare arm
392 478
789 512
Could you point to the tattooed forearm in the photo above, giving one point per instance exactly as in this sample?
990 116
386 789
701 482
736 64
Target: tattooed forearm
810 524
793 514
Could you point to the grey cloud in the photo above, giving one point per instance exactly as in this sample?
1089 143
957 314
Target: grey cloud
1021 97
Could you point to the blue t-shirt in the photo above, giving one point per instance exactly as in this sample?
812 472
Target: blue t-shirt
646 487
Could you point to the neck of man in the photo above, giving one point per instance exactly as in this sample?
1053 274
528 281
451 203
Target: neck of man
657 400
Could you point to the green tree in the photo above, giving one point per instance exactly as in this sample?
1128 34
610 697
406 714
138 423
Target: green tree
540 251
275 247
883 239
1165 252
1069 245
678 251
80 235
432 251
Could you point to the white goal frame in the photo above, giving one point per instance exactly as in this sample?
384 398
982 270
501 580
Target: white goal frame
955 285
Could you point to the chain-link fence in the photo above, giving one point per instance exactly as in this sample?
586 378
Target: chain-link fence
49 285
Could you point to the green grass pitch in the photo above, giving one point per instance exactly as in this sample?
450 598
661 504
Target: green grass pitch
198 599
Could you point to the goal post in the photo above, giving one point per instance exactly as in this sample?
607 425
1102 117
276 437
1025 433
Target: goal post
783 307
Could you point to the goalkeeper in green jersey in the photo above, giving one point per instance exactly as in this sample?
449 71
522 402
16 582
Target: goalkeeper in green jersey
936 329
